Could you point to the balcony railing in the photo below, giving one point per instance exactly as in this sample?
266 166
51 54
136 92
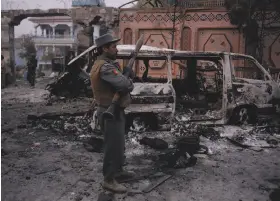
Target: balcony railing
55 36
88 2
198 3
56 39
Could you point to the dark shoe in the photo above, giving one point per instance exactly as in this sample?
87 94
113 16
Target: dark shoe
114 186
123 175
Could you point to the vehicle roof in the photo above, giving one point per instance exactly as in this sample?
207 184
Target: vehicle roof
150 51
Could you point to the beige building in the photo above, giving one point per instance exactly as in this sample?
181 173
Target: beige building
54 36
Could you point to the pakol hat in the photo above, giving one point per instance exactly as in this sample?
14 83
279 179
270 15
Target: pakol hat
105 39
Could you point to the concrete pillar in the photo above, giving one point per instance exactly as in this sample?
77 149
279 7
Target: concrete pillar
71 31
36 30
12 50
53 31
96 32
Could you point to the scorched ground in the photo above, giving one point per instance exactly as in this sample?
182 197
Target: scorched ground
43 156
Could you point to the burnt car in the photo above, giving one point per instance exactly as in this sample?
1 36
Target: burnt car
213 87
58 64
233 89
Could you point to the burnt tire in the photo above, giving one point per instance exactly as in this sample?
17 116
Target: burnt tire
244 115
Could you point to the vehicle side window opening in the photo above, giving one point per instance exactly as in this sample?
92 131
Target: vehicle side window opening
201 82
191 79
246 68
150 70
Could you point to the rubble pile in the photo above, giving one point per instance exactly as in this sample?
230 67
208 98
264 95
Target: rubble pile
181 127
70 85
154 143
182 155
257 137
265 129
78 126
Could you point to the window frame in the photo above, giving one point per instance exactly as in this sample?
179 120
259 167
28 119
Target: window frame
266 75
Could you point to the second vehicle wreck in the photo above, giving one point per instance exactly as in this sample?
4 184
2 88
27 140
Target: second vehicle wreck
215 87
234 88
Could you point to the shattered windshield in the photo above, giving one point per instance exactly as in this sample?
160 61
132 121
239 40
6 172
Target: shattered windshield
246 68
148 69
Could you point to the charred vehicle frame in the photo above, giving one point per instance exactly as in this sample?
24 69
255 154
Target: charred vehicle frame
239 88
243 87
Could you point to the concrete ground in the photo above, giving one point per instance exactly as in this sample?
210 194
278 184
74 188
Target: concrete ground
43 164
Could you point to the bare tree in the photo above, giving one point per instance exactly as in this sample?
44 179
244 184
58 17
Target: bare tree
16 4
254 17
28 47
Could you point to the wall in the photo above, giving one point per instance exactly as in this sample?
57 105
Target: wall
88 15
5 39
196 30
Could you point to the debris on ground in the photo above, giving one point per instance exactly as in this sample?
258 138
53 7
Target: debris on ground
154 143
53 150
156 184
182 155
254 137
65 125
94 144
106 197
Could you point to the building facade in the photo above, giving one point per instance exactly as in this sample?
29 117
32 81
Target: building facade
55 36
52 37
201 27
77 3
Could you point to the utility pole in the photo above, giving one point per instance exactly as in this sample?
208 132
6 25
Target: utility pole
174 21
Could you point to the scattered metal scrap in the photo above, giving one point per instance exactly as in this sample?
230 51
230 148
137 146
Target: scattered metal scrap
151 187
157 183
55 115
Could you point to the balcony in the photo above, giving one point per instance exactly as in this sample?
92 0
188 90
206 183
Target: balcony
198 3
54 40
5 43
76 3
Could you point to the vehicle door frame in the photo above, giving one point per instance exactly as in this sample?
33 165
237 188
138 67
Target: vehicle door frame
267 80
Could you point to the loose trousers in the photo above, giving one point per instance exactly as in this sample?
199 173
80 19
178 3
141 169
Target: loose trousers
114 142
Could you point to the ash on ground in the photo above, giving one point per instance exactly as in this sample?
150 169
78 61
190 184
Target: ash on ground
46 159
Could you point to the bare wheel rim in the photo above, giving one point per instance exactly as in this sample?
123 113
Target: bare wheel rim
243 115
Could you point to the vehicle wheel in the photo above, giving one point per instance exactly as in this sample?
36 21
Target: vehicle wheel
244 115
277 108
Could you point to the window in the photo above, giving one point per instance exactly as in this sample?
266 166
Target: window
246 68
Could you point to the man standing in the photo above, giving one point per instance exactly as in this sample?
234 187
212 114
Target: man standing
3 72
31 72
107 78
